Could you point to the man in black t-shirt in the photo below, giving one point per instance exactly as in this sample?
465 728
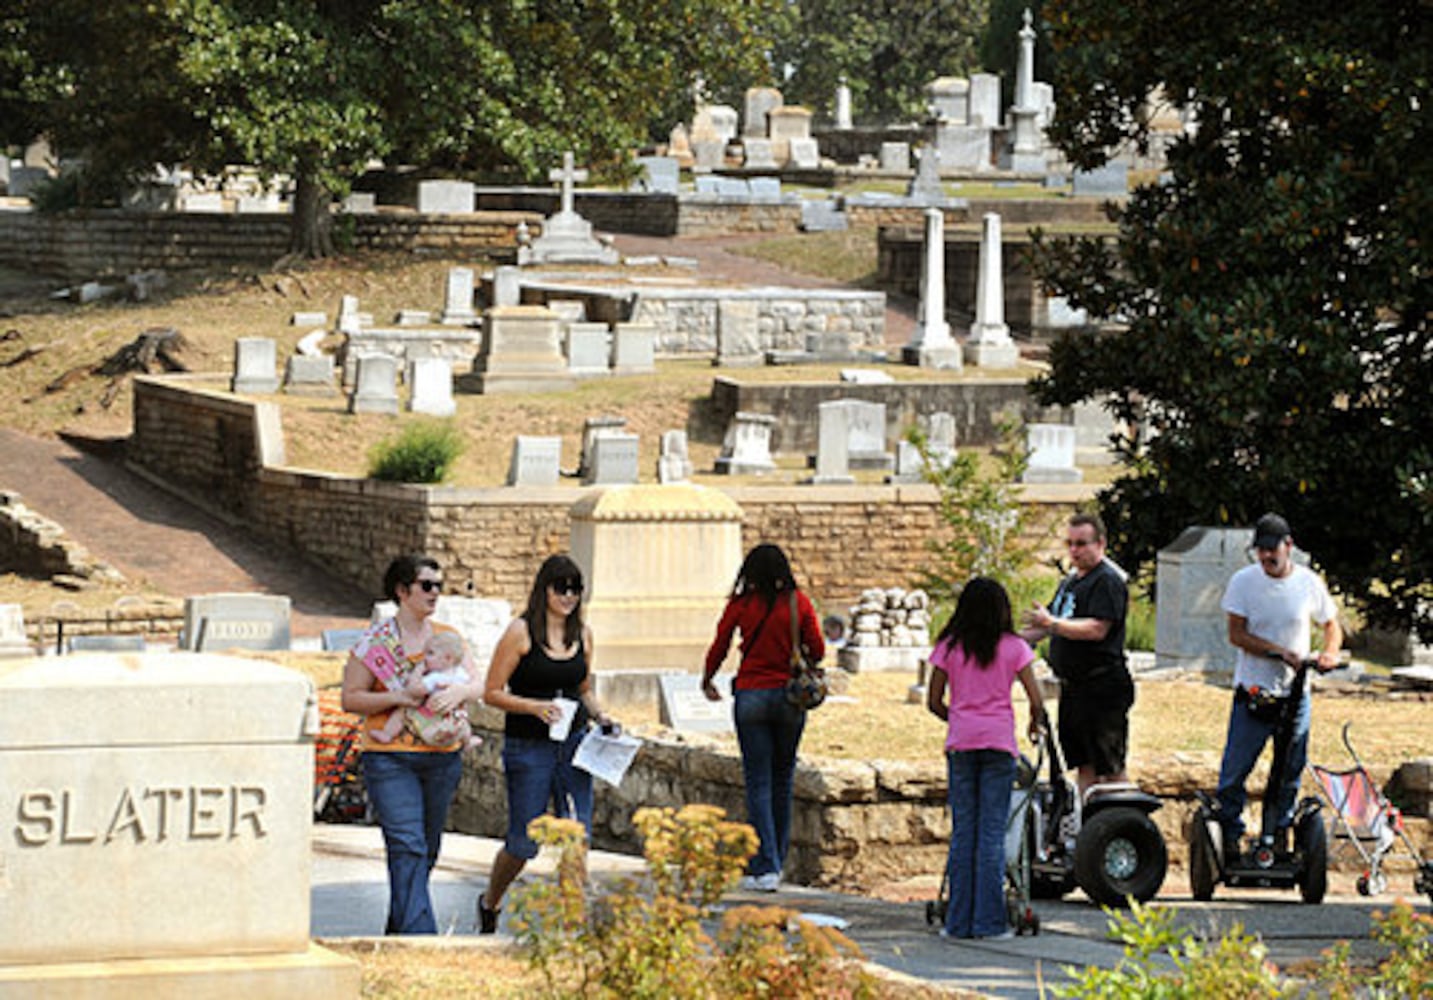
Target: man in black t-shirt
1085 623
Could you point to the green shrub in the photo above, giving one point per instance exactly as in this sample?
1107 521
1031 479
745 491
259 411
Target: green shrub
646 939
1139 624
982 516
423 452
1235 965
58 194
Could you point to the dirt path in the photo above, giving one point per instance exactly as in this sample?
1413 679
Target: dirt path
152 536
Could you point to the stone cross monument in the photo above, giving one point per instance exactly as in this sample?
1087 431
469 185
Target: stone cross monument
566 236
568 176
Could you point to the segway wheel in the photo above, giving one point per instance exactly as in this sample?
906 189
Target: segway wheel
1120 855
1203 856
1313 843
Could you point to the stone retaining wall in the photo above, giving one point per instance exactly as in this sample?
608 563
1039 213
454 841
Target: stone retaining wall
211 446
854 824
32 545
128 616
100 243
110 243
978 406
686 316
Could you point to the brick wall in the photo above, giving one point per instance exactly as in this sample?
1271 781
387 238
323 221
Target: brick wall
207 446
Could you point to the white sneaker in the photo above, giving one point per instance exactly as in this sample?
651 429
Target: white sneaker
770 882
1004 935
747 883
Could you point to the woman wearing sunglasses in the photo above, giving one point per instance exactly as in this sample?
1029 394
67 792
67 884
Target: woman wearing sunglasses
410 783
539 670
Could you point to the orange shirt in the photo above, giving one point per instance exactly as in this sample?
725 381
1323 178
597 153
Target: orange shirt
405 741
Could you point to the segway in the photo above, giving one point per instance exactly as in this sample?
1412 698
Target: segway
1267 863
1107 844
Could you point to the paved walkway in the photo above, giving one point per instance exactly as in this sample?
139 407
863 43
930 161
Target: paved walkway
151 535
350 898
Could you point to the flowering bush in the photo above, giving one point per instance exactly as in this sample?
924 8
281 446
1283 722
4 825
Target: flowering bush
647 938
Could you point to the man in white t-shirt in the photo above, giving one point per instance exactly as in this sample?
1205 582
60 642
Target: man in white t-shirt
1269 607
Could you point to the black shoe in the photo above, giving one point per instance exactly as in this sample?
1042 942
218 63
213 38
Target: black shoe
487 917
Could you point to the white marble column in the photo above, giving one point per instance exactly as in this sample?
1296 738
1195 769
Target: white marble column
932 346
989 344
843 105
1027 154
1025 65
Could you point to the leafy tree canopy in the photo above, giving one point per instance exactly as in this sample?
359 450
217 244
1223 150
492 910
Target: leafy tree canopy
318 88
1269 303
887 50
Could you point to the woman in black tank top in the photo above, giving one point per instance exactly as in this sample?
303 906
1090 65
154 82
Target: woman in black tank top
540 665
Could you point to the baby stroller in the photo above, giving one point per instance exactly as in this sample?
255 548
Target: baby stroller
1368 821
1018 855
338 792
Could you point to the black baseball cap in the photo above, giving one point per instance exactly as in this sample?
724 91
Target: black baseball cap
1269 531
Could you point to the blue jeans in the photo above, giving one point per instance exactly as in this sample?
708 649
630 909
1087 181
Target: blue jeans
979 790
539 772
768 729
1242 746
411 793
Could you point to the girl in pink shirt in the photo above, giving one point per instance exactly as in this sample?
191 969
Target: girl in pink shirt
978 657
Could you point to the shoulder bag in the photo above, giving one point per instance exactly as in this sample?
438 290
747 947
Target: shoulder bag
807 687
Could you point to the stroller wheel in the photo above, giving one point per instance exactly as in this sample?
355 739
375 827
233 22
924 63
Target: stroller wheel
932 912
1362 884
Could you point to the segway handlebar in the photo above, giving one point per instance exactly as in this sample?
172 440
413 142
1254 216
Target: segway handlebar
1311 662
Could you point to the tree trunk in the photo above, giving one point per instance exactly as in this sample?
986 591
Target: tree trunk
311 231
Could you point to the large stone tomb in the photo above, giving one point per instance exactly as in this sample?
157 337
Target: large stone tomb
659 561
161 848
522 352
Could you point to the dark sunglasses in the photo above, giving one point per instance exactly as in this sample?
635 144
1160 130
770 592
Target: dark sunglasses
566 587
429 585
1078 543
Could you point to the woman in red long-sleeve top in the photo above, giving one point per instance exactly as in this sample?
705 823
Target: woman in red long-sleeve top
768 727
